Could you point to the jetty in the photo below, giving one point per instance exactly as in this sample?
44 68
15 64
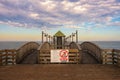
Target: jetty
60 57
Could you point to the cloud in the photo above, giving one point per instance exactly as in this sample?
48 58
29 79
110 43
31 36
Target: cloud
34 15
55 13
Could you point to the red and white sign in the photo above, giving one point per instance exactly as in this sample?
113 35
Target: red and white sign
60 55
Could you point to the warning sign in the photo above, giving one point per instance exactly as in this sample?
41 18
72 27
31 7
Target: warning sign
60 55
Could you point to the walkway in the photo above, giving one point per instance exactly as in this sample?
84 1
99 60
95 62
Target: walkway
30 59
88 59
60 72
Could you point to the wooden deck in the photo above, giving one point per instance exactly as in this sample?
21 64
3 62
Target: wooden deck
48 71
60 72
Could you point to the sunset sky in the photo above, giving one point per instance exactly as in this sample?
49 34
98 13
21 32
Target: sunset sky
95 20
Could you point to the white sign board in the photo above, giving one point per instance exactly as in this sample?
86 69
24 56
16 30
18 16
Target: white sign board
61 55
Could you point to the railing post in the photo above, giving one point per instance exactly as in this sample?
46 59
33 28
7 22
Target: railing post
46 37
72 37
6 52
12 57
104 58
118 58
76 36
0 58
49 38
113 56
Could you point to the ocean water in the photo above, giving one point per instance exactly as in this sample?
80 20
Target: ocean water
12 44
18 44
107 44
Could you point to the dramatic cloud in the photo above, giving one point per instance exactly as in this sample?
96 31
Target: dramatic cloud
60 13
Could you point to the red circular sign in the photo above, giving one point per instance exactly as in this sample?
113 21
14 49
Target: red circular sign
63 55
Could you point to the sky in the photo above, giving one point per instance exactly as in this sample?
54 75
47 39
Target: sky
95 20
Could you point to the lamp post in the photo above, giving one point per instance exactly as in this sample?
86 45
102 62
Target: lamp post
42 36
76 36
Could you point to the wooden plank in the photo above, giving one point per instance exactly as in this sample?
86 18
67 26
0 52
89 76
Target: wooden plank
118 61
0 60
4 62
108 62
45 62
44 55
44 50
0 54
107 58
12 54
72 55
107 50
118 58
9 50
4 55
106 54
10 62
4 58
118 55
73 50
12 58
70 50
72 58
115 58
72 62
116 50
44 58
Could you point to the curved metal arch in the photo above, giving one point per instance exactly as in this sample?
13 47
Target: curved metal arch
93 49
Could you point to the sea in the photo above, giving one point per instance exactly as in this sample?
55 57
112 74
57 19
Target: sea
18 44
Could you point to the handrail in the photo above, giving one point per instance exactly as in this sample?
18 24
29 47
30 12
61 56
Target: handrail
8 57
111 56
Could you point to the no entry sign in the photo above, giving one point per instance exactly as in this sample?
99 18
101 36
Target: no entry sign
61 55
